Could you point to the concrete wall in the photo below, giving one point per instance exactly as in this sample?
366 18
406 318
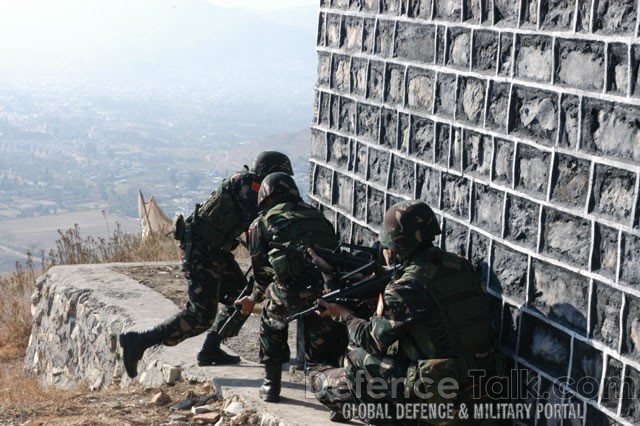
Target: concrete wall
518 121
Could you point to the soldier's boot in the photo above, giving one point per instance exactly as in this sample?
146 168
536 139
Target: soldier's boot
134 344
212 354
337 417
270 389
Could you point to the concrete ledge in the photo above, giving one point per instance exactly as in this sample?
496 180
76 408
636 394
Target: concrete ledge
78 312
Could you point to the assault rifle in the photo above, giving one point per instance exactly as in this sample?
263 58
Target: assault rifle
234 323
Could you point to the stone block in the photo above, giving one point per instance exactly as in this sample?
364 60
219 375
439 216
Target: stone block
394 87
471 101
503 163
404 132
566 237
338 151
570 181
371 5
351 34
360 203
368 122
392 199
580 64
635 68
383 38
545 346
498 106
363 236
477 153
479 255
606 303
391 7
618 64
360 160
368 35
455 195
357 4
487 209
420 89
630 409
521 223
510 327
441 151
506 54
508 274
388 128
334 27
378 166
343 192
375 81
341 73
445 95
615 17
534 57
605 251
630 259
593 416
322 183
612 388
448 10
455 237
569 121
334 113
532 170
586 370
611 129
534 114
613 194
561 295
495 313
321 37
415 42
347 120
441 39
375 207
429 186
472 11
340 4
419 9
459 48
529 14
455 154
325 109
359 76
324 69
316 108
506 13
584 16
318 145
485 51
343 227
557 14
402 179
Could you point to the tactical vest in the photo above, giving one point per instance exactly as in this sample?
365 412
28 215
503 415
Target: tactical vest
221 219
300 224
451 283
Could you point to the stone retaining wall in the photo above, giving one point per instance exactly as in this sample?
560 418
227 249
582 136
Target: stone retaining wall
519 123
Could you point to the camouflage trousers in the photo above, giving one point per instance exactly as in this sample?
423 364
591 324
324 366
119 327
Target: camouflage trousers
325 340
209 274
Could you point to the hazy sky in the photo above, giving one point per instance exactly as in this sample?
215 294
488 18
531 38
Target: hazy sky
262 4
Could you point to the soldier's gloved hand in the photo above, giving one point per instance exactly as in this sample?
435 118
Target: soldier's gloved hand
246 305
333 310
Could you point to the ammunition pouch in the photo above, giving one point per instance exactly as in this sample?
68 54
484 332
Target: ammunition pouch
178 227
424 376
288 264
214 237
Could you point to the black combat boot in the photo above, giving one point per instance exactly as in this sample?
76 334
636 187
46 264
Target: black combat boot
134 344
211 354
270 389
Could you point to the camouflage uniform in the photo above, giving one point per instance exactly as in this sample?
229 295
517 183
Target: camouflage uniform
298 222
431 322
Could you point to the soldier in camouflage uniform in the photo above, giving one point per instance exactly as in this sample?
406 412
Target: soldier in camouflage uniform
292 283
206 240
431 323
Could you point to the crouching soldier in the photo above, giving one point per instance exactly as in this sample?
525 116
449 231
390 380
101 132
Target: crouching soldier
207 238
292 283
431 324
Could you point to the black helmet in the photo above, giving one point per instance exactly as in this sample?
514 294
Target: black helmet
407 225
277 184
271 162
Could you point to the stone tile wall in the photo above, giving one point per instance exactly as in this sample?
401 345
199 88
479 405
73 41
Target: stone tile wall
518 121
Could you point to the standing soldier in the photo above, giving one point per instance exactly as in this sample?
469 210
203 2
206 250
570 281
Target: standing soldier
295 284
432 322
207 238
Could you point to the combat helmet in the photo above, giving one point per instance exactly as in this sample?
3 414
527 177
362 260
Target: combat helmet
270 162
279 185
407 225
